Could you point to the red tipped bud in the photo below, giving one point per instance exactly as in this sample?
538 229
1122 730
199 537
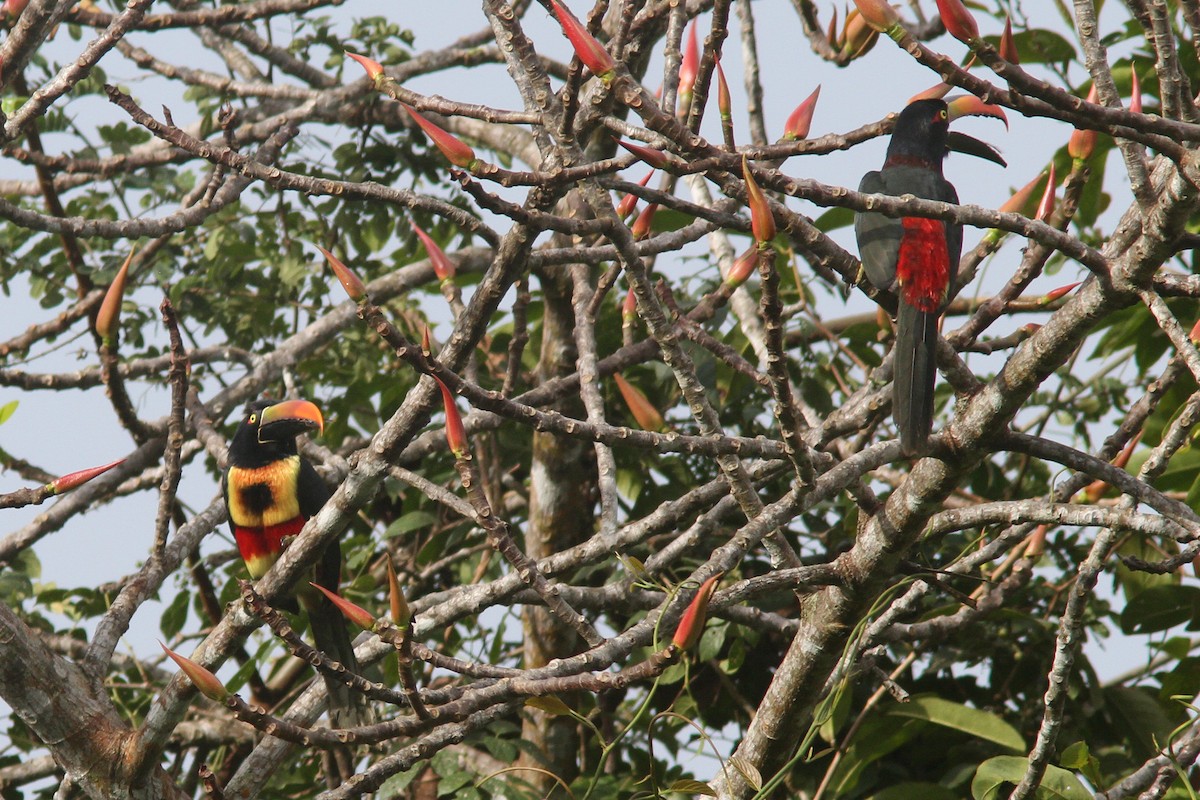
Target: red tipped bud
426 348
1054 294
204 681
346 277
73 480
456 151
958 21
644 413
1022 199
110 308
642 225
629 307
800 121
857 37
653 157
689 68
935 92
831 33
1008 47
879 14
456 434
743 267
1046 206
1029 329
1035 545
401 613
691 625
355 613
587 48
373 68
724 103
443 267
1083 141
629 202
1194 335
1135 91
762 222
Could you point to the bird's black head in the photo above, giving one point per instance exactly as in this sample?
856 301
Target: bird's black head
920 134
268 431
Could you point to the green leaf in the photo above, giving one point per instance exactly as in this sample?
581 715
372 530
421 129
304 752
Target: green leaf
747 771
175 615
1160 608
833 219
995 772
7 410
982 724
916 791
550 704
1075 756
690 786
413 520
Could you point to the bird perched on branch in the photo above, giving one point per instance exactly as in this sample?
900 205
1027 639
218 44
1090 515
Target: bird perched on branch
917 257
270 491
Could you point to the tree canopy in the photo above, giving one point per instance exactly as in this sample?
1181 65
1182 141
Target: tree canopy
614 472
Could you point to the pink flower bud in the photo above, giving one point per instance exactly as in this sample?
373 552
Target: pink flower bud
1054 294
1046 206
879 14
691 625
689 67
643 225
1135 90
1008 47
456 433
401 613
443 267
73 480
454 149
350 282
587 48
743 267
110 309
355 613
207 683
800 121
958 21
1083 141
653 157
644 413
374 68
762 222
724 103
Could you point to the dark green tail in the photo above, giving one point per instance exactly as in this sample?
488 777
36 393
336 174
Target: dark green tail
915 369
347 708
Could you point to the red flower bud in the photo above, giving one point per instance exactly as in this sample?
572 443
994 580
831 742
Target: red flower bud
644 413
426 348
629 202
346 277
73 480
1054 294
443 267
799 123
1194 336
1046 206
110 308
374 68
1035 545
401 613
629 307
1008 48
831 33
762 222
207 683
642 225
587 48
1083 141
355 613
743 267
691 625
879 14
1135 90
1021 199
454 149
689 67
958 21
653 157
456 434
724 103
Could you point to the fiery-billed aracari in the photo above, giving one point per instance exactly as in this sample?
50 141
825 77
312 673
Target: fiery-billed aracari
270 491
915 256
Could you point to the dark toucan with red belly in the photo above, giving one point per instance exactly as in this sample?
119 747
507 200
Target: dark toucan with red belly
270 491
914 256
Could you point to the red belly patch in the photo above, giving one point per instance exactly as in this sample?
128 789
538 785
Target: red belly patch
260 547
923 267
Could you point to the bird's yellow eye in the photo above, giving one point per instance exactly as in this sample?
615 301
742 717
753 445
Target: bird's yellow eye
943 114
253 418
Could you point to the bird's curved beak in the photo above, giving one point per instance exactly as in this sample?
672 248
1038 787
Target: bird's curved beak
971 106
289 418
